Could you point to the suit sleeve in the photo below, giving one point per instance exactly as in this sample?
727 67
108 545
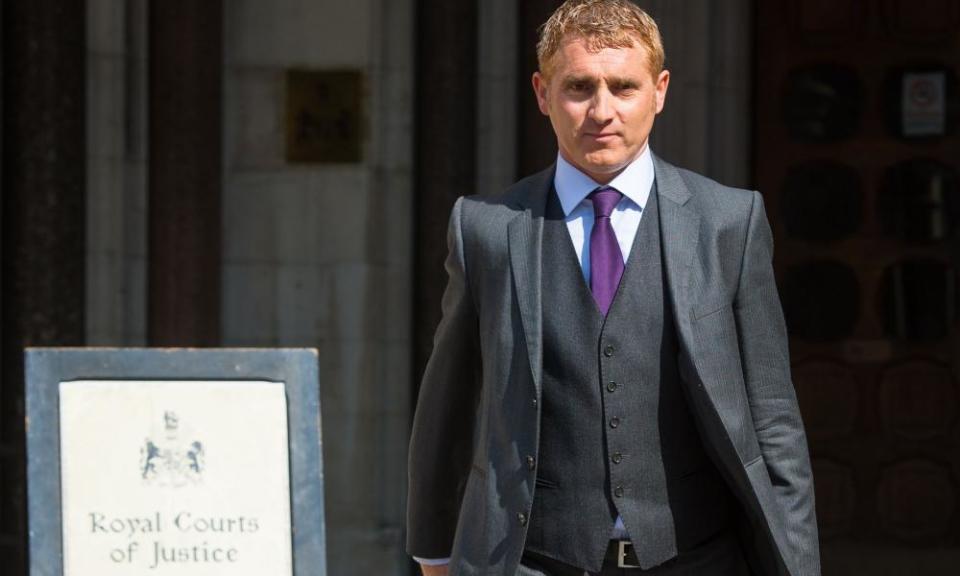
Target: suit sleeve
773 402
441 443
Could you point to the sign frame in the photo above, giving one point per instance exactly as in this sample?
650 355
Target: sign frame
296 368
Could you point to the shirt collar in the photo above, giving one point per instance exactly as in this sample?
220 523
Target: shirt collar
573 186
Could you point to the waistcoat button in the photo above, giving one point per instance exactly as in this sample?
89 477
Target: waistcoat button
522 518
614 422
611 386
531 462
617 458
618 492
608 351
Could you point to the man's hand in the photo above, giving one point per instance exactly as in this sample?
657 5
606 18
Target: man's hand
441 570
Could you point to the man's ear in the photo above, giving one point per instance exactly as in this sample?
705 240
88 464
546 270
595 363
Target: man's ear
663 82
540 90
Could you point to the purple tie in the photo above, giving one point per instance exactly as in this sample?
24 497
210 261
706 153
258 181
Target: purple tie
606 260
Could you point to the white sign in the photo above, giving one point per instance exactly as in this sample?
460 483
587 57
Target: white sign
924 104
185 478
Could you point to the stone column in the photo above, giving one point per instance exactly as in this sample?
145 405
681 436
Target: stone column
445 167
497 89
536 143
43 226
707 122
185 172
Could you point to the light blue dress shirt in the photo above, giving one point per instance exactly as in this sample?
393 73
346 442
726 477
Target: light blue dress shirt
573 187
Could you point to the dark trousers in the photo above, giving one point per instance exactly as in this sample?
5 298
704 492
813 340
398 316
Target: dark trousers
719 556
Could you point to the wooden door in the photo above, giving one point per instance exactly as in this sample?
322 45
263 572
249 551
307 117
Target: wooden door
857 155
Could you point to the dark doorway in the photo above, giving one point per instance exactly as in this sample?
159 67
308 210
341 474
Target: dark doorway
856 152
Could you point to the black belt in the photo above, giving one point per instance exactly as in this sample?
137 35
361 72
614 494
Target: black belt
721 551
620 553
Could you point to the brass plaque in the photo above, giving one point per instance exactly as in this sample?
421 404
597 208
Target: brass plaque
324 122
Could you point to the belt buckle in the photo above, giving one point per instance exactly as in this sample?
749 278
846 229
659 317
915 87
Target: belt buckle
622 554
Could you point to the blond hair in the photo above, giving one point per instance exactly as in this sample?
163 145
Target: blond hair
601 24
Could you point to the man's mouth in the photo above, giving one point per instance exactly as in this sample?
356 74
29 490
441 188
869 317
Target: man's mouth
602 135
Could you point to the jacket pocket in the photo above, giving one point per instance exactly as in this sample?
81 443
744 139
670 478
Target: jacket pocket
545 483
709 308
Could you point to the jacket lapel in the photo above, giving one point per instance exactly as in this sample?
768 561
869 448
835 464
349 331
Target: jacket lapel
525 237
680 233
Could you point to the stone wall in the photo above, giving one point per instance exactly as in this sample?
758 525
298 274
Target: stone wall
313 255
320 254
116 172
707 123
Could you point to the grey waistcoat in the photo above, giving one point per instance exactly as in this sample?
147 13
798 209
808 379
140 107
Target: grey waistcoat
616 435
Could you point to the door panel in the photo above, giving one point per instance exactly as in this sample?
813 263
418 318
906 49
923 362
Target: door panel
856 153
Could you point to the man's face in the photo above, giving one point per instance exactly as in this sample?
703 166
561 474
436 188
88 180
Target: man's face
601 105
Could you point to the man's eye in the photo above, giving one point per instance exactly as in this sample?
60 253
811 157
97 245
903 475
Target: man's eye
579 86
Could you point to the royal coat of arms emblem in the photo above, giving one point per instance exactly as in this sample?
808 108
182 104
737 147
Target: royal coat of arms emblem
170 459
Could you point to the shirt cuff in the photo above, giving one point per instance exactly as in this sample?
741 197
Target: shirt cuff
432 561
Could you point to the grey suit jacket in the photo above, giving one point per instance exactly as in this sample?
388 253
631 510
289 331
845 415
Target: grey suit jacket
475 432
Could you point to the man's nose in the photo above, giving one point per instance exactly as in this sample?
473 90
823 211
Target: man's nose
601 109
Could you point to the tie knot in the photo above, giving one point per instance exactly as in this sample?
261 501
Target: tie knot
605 199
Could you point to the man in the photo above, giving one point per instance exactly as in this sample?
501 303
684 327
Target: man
609 390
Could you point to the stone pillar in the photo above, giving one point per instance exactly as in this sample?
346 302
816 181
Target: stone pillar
707 122
445 167
116 173
497 89
185 172
536 142
43 226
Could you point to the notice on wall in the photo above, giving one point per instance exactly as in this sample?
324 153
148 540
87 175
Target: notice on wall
924 104
175 477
